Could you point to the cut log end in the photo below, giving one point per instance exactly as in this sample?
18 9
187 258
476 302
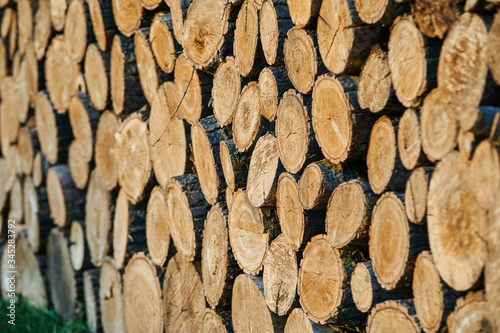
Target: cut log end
290 211
300 59
127 15
409 140
471 314
110 297
226 91
96 76
162 43
157 231
392 316
75 30
416 191
246 39
106 166
77 245
246 119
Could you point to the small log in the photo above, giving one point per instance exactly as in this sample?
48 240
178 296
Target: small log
385 170
33 78
21 91
91 296
234 165
126 91
467 143
7 175
97 219
229 197
103 22
36 215
3 61
401 314
40 167
83 119
204 30
194 90
344 40
168 138
324 268
417 188
273 82
383 12
250 231
434 300
409 140
162 42
348 215
394 243
28 144
77 29
106 165
367 292
298 322
133 158
97 69
296 141
78 164
142 307
129 230
342 129
9 117
249 307
492 58
16 202
8 14
450 224
12 39
58 13
434 18
127 15
110 297
280 276
483 121
413 62
492 287
247 47
78 249
471 314
60 74
60 274
218 266
317 184
247 122
183 301
263 172
304 14
485 176
213 322
274 23
42 28
157 231
186 213
226 91
178 10
65 200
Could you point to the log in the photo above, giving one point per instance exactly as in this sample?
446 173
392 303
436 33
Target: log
434 18
178 10
273 82
78 249
484 169
324 268
348 214
60 73
65 200
204 30
344 40
127 15
247 47
394 243
367 292
13 36
40 167
263 172
342 129
467 143
103 22
133 158
492 58
417 188
453 216
168 138
213 322
42 28
186 212
157 231
126 91
8 14
36 215
77 29
383 12
97 69
393 316
183 300
106 166
16 202
482 121
298 322
129 230
226 91
434 300
438 125
409 140
193 88
97 219
471 314
62 282
91 296
413 61
151 4
162 42
385 170
9 118
248 307
304 14
32 76
3 61
250 231
492 287
218 266
83 119
7 175
78 164
142 307
234 165
58 13
27 143
110 297
22 89
274 23
317 184
280 276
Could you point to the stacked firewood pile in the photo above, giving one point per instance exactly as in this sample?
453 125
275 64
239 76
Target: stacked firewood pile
253 166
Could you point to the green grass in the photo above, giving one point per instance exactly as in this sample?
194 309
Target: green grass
31 319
